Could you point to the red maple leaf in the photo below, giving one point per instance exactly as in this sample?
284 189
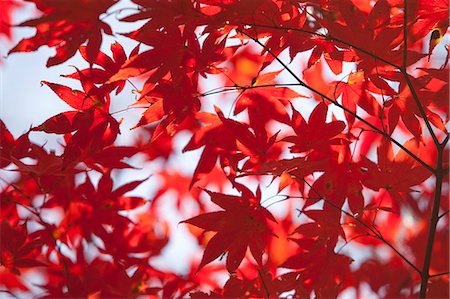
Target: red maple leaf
241 225
265 101
66 25
316 134
7 7
395 173
110 66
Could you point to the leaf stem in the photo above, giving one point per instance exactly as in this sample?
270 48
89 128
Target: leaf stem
43 223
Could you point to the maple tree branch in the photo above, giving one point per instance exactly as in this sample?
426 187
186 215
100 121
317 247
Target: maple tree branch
266 290
375 233
352 239
244 88
445 141
302 83
425 275
329 37
443 214
439 274
401 68
41 221
10 293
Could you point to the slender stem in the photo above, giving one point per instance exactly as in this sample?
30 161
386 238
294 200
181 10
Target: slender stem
302 83
425 275
443 214
439 274
445 141
243 88
352 239
406 76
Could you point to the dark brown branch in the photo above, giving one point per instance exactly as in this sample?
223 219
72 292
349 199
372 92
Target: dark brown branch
42 222
443 214
328 37
439 274
425 275
266 290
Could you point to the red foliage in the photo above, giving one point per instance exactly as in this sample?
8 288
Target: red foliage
262 89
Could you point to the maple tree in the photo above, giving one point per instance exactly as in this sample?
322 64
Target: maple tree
321 141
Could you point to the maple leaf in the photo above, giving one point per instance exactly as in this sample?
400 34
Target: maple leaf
241 225
395 173
184 47
11 148
91 208
355 93
216 138
402 105
340 181
321 269
169 47
265 103
170 104
66 26
81 100
110 66
376 33
91 278
316 134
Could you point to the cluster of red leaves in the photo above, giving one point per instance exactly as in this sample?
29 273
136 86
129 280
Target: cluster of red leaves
362 177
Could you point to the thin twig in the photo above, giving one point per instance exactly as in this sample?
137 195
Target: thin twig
443 214
377 234
439 274
266 290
